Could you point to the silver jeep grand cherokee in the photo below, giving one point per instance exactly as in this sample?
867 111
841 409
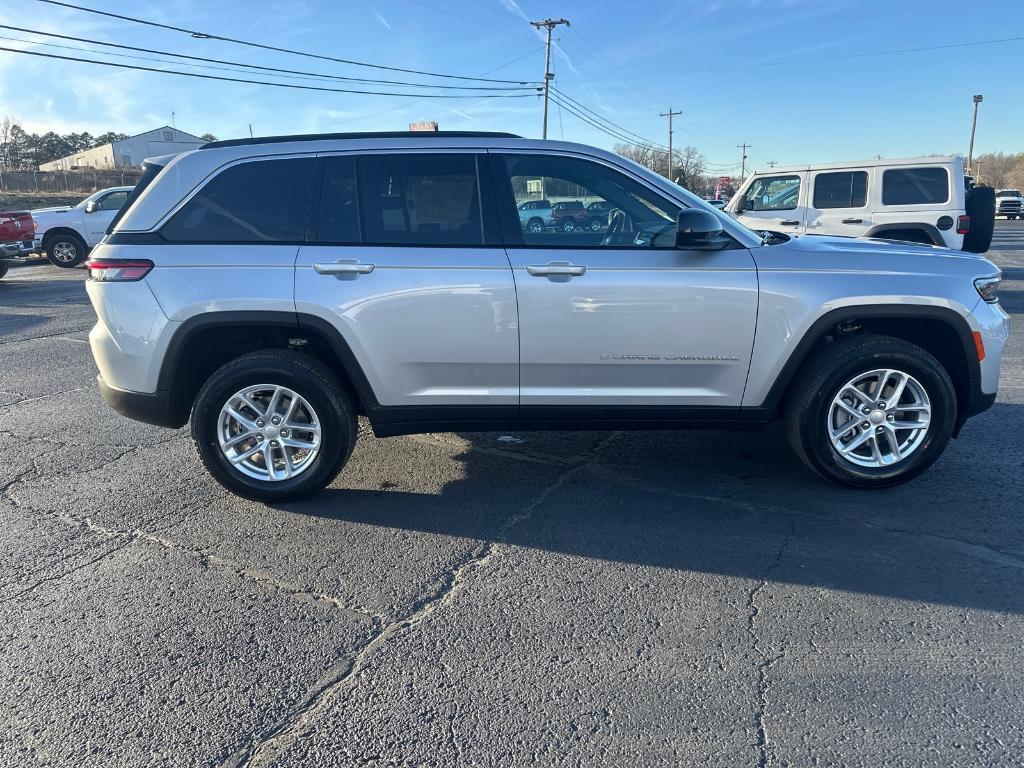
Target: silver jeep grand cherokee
273 289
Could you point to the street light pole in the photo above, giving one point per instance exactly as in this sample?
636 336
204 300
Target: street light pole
974 124
548 24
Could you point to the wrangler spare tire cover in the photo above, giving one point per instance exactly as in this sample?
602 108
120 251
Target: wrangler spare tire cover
981 207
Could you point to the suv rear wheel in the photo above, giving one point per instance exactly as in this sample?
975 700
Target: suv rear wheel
274 425
871 412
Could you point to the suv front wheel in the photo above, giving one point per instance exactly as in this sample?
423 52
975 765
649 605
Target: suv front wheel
871 411
274 425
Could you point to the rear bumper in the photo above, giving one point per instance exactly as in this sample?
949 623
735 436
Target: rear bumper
151 408
20 248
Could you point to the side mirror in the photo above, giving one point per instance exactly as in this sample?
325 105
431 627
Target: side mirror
92 206
698 229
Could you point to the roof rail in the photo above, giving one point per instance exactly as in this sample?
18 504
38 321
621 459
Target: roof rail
367 135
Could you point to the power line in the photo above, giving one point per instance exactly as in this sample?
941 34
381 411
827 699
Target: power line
264 82
892 52
470 19
405 104
275 70
581 116
642 141
263 46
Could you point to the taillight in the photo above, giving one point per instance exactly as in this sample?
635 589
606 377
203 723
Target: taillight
963 224
118 270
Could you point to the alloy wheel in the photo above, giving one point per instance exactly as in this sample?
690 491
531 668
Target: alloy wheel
65 251
269 432
879 418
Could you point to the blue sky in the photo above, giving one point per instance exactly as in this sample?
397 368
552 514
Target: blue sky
722 62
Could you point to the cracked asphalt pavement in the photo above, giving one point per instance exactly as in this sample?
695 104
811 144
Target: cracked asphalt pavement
648 599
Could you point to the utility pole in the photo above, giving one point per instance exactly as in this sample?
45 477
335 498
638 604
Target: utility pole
670 114
250 130
548 24
743 159
173 124
978 98
772 163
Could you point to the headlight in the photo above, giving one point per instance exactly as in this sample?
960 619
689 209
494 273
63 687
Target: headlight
988 288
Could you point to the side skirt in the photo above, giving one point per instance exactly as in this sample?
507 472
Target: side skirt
408 420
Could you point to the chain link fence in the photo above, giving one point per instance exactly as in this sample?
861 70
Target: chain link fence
71 182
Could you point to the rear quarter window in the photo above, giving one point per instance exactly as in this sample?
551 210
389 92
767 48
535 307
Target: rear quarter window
261 201
915 186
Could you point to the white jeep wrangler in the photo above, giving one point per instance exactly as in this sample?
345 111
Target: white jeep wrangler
919 200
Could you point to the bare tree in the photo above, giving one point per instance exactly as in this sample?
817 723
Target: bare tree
1015 178
994 168
688 164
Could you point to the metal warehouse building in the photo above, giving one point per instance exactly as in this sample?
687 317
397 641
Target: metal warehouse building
129 152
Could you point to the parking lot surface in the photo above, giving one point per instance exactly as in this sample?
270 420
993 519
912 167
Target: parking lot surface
689 598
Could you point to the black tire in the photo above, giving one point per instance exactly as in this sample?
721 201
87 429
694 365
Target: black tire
535 225
309 378
568 224
3 269
810 399
65 250
596 224
981 207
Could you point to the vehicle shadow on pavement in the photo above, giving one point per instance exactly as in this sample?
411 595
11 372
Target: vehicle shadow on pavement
735 504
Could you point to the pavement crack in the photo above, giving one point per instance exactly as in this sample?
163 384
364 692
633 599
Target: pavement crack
58 576
762 743
326 691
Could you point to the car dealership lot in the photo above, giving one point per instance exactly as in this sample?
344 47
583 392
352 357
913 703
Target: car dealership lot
550 599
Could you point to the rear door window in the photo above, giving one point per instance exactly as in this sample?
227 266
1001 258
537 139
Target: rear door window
847 189
262 201
915 186
419 199
339 203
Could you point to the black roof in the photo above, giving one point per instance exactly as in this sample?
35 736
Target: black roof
368 135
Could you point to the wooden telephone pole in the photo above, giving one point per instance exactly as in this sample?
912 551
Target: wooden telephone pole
670 114
548 24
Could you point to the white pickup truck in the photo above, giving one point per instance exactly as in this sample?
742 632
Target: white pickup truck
1009 203
68 232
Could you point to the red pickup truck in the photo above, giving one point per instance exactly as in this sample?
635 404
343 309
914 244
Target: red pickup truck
17 235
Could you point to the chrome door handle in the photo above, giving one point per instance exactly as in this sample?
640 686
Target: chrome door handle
343 267
556 269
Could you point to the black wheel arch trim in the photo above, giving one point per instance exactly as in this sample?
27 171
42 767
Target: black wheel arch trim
773 401
930 230
172 360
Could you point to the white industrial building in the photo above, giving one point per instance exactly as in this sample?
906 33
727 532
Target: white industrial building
128 153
